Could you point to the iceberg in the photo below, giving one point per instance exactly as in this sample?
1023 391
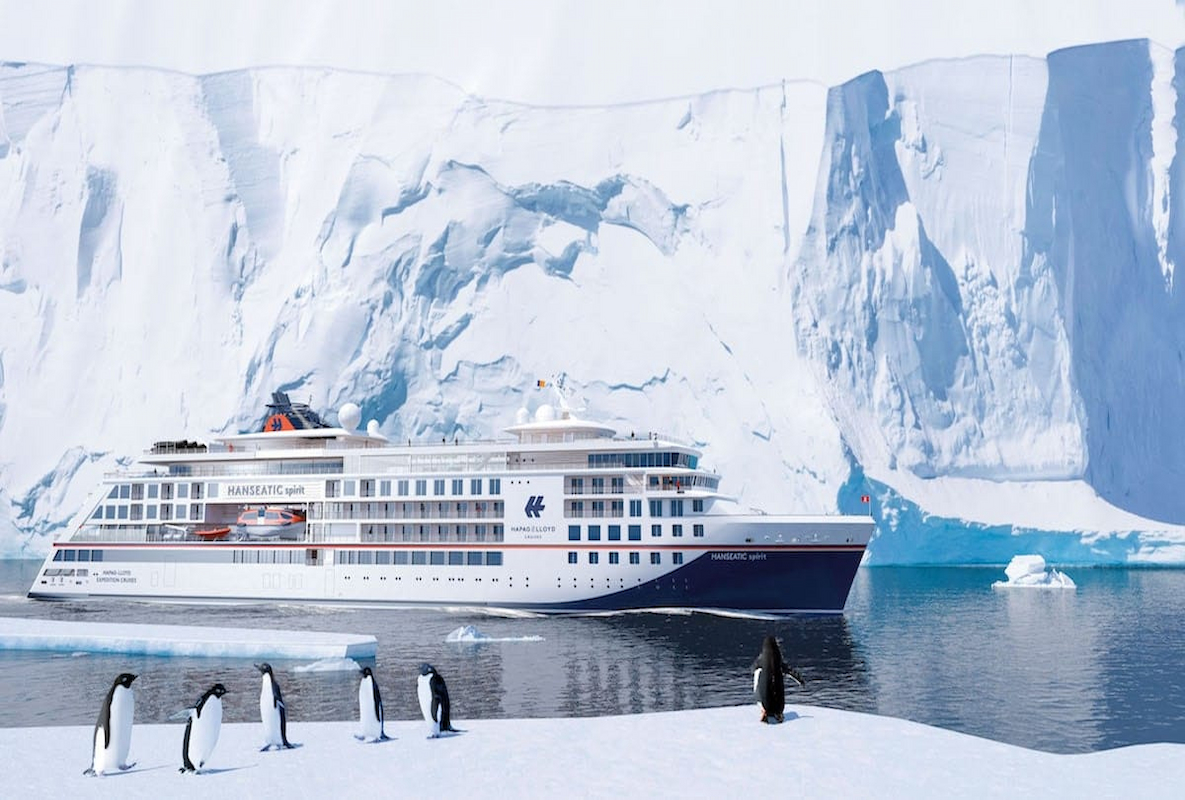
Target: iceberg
1029 572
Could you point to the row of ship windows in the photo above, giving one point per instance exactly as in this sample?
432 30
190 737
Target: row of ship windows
432 558
615 558
633 532
162 491
432 533
615 508
370 487
492 509
141 511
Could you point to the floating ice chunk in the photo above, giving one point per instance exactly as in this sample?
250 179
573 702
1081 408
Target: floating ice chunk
1029 572
179 640
468 634
330 665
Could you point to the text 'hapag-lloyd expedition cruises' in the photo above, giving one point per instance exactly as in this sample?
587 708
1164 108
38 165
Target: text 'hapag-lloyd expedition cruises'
565 516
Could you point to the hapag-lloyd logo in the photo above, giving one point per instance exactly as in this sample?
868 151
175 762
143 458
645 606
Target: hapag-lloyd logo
534 506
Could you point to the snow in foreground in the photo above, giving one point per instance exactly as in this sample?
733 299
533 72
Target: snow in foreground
817 752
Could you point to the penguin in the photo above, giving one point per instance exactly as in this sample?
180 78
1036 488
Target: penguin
434 702
272 711
768 683
370 709
113 730
201 731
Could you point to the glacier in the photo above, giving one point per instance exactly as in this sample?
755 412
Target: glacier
950 286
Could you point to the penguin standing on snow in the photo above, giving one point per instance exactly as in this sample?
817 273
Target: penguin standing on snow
201 731
768 683
113 730
434 702
272 711
370 709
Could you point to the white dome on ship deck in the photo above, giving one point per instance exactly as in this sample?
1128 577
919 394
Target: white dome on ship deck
522 416
349 415
545 413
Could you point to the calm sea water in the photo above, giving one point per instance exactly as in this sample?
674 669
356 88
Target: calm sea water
1060 671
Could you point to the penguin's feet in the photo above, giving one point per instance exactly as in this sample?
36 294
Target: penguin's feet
90 771
289 746
127 766
778 717
359 737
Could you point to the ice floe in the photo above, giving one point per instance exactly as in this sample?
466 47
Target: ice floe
1029 572
469 634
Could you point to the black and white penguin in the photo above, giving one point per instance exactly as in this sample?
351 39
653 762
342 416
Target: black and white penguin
434 702
768 683
113 730
201 731
272 711
370 709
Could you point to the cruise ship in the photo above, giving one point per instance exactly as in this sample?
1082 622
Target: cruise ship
564 515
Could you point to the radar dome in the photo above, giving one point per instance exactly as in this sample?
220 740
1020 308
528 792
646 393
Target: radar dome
545 413
372 428
521 416
349 415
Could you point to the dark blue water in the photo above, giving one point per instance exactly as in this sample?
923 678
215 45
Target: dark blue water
1053 670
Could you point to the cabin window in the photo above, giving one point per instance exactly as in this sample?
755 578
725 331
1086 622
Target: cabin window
98 513
656 508
137 491
438 487
598 485
137 511
473 558
656 558
594 557
333 488
123 512
635 532
436 558
152 512
401 488
458 486
366 488
125 491
153 491
697 530
615 508
676 530
677 558
399 557
382 557
166 511
166 491
656 530
614 558
615 533
676 508
635 558
384 488
479 532
182 491
635 508
572 557
475 486
421 487
70 555
598 508
212 490
348 489
419 557
697 506
577 486
494 559
456 558
573 533
113 494
617 485
365 557
495 486
195 491
594 533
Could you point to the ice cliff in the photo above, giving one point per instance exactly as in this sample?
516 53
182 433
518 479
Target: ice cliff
951 286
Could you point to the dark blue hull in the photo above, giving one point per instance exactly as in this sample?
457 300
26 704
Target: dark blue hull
780 581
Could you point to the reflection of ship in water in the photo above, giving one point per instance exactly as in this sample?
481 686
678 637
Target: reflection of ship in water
633 663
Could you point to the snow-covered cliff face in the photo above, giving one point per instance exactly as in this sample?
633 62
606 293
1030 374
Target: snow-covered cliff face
954 281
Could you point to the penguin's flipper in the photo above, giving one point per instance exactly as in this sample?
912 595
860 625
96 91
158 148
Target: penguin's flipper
794 675
756 679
